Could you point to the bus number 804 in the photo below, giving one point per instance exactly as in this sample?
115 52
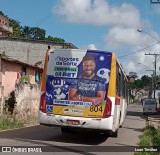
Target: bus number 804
95 108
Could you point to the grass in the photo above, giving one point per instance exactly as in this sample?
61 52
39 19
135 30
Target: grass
9 124
149 138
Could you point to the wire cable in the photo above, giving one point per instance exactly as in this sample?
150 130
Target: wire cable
138 50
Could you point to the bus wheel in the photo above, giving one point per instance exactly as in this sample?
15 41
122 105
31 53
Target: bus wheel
112 134
115 134
65 130
120 125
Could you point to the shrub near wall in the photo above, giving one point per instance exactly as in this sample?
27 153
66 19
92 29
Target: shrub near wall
27 103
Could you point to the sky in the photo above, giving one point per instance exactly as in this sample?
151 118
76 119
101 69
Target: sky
108 25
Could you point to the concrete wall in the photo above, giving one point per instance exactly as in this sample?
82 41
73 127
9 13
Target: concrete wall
27 104
28 51
1 99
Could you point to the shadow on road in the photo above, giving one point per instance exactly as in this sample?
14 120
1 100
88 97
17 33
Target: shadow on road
87 139
134 113
135 129
53 134
61 148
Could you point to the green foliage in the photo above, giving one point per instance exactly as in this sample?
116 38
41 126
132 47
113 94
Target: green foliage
1 13
145 141
37 33
27 32
9 124
156 137
140 83
55 39
24 79
150 137
16 28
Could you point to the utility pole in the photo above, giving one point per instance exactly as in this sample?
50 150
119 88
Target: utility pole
155 62
152 84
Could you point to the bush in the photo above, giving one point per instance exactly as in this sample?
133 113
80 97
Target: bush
150 137
24 79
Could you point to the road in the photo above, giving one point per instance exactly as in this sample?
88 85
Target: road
54 139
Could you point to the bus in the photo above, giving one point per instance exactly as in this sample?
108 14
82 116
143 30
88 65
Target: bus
83 89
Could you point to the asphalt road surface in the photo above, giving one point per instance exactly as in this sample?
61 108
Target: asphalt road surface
87 143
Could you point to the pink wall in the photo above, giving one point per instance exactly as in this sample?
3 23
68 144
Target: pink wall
9 75
31 73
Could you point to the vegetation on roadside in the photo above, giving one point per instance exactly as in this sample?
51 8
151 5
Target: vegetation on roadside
150 138
9 124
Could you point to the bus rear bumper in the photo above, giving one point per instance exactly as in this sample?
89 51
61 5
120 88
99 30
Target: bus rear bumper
62 121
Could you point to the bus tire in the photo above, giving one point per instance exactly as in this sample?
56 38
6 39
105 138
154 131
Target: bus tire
120 125
112 134
65 130
115 134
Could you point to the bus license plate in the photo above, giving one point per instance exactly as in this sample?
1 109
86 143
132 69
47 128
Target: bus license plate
73 122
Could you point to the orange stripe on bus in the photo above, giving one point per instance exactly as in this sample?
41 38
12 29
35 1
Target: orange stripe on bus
112 80
43 83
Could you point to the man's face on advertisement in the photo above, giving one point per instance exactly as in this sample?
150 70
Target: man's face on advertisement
88 68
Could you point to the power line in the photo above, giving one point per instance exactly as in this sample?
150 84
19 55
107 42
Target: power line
138 50
155 66
50 14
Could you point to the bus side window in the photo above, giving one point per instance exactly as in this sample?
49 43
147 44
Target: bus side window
118 83
123 86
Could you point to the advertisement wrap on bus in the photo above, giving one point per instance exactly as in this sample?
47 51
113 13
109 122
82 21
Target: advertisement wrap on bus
84 89
77 83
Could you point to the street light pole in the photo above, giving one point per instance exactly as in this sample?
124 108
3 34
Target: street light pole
152 80
152 75
155 55
140 30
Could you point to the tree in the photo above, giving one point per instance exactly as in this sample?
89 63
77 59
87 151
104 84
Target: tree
37 33
133 75
55 39
1 13
146 80
25 32
16 28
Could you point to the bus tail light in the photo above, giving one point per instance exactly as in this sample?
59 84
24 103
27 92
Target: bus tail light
43 102
108 108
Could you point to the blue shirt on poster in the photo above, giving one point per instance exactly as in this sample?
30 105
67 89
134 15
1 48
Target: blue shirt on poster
88 87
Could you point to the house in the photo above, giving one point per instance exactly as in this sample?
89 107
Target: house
28 50
20 59
5 29
14 71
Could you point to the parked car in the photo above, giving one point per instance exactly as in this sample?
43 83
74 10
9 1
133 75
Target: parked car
142 99
149 106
